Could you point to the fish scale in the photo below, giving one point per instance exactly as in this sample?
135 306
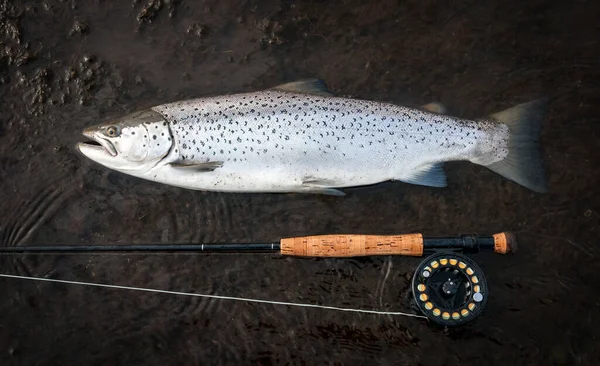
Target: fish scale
299 138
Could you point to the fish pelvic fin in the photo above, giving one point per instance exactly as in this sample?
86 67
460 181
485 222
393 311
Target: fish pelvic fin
524 164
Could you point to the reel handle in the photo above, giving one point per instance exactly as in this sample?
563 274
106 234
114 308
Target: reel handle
357 245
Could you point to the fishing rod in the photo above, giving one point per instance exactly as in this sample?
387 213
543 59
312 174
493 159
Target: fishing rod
447 287
343 245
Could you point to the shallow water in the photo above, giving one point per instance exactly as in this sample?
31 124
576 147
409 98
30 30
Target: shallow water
66 65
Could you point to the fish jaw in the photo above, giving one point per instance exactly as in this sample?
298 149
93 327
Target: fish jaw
104 157
97 153
105 145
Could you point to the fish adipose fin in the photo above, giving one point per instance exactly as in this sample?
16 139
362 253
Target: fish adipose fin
198 167
523 164
320 186
307 86
435 107
430 175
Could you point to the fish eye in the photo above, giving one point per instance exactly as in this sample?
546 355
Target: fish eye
112 131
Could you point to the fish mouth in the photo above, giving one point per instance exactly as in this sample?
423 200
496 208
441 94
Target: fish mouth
98 143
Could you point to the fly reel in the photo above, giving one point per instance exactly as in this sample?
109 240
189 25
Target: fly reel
449 288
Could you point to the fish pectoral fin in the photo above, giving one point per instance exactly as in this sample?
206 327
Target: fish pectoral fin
321 186
435 107
209 166
306 86
431 175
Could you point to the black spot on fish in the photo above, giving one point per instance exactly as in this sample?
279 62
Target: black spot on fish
154 137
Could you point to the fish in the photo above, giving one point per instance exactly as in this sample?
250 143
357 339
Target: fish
299 137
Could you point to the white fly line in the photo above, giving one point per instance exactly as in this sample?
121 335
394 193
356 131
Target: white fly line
285 303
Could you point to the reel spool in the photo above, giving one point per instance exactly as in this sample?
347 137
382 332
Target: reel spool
449 288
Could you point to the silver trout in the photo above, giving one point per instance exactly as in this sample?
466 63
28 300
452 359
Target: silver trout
298 137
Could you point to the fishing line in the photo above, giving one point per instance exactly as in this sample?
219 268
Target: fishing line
285 303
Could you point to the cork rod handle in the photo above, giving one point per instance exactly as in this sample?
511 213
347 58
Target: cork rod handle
353 245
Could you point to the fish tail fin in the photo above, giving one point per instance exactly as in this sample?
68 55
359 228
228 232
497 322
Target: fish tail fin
524 164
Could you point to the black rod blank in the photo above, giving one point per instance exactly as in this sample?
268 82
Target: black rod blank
206 248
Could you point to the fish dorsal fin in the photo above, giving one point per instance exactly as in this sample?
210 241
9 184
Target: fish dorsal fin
306 86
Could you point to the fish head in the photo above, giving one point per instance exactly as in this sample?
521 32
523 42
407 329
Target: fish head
135 142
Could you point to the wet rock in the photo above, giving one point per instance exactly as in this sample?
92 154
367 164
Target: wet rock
271 30
79 28
12 48
153 8
70 74
11 30
84 79
198 30
17 56
149 12
87 59
60 149
47 87
37 89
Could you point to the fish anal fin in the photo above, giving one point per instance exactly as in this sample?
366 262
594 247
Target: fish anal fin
306 86
431 175
321 186
209 166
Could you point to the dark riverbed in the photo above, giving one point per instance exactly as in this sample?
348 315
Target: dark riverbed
67 64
